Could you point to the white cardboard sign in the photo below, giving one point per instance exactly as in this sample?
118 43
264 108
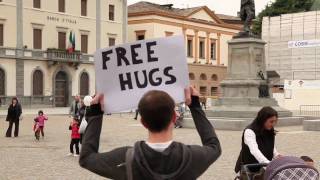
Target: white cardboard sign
125 72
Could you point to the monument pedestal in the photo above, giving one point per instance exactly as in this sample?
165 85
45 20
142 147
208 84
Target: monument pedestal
246 89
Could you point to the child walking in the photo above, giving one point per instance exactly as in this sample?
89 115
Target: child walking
36 129
75 137
39 124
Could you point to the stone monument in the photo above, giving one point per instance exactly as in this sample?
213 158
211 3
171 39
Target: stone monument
246 89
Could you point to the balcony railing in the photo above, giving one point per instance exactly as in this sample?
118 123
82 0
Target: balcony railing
49 54
56 54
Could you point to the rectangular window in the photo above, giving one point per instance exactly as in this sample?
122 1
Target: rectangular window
62 6
190 48
37 39
214 91
169 33
213 50
112 42
84 43
140 37
203 91
37 4
1 34
111 12
201 49
62 40
83 7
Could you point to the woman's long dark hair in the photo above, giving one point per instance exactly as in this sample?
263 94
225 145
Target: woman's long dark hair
263 115
14 98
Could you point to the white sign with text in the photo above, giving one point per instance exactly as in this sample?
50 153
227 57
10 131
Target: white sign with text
125 72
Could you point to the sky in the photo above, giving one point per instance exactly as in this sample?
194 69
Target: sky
229 7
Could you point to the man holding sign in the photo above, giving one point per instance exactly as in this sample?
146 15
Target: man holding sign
153 73
158 158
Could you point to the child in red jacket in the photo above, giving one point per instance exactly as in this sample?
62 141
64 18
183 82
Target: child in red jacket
75 137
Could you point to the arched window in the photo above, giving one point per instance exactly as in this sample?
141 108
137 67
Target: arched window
2 82
192 76
37 83
214 77
203 77
84 84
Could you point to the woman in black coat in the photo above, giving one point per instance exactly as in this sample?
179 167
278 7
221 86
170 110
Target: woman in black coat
14 112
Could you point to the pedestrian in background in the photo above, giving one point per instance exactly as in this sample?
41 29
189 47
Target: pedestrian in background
82 112
13 117
75 137
75 107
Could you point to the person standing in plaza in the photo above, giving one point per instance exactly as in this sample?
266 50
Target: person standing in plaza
136 116
82 112
75 107
258 139
181 110
40 119
13 117
75 137
159 157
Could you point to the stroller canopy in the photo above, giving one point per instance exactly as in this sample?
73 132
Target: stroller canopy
293 168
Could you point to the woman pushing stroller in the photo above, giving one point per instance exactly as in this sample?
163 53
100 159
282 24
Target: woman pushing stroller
258 140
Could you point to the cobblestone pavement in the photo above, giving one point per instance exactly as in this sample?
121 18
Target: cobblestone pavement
25 159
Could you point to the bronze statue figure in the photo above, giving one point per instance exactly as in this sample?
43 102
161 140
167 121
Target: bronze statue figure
247 14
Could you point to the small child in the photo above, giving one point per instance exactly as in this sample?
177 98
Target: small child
308 160
75 137
36 129
39 124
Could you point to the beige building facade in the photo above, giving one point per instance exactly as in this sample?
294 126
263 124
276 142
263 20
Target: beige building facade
35 65
206 38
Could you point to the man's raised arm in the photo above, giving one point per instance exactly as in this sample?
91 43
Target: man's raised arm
211 145
105 164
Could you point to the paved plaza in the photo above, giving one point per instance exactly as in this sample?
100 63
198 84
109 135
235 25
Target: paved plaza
24 158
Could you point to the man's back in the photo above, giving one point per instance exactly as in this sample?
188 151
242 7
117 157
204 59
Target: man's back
176 162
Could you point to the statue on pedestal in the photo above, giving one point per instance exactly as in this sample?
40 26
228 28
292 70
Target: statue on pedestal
247 14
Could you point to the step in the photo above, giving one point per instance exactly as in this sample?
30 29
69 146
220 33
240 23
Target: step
233 124
311 125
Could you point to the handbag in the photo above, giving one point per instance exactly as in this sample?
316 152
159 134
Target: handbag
84 123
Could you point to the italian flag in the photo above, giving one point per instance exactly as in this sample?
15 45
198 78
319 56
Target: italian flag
72 42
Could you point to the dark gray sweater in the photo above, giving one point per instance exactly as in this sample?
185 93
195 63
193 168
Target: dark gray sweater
177 162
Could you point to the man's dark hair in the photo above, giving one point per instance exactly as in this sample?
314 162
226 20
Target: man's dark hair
306 158
156 109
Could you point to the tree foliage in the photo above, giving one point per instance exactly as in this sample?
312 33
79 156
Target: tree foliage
284 7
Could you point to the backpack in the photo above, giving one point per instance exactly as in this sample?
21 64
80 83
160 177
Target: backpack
129 160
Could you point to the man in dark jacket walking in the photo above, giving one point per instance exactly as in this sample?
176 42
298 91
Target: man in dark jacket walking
158 158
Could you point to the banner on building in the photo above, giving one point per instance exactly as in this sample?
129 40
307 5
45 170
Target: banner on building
125 72
304 43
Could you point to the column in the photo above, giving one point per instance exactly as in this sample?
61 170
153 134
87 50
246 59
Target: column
208 48
19 52
196 47
125 21
98 24
184 32
218 49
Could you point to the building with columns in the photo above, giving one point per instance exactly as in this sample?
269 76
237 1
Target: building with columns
35 65
206 37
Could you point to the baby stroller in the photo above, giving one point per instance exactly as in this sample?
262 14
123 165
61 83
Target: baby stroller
252 172
290 168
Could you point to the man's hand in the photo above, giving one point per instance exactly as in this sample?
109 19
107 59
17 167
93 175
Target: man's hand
188 92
